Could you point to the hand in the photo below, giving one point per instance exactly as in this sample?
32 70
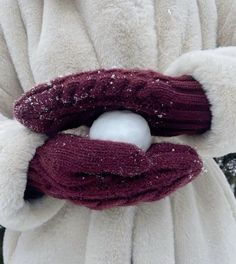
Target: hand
171 106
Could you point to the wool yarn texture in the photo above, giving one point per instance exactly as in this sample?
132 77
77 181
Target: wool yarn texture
171 106
101 174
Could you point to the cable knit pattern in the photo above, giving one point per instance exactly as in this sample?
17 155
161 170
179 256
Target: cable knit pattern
172 106
102 174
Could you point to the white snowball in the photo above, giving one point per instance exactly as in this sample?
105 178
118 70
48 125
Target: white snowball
122 126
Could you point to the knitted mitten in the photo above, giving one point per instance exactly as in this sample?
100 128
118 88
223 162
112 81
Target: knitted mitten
171 106
101 174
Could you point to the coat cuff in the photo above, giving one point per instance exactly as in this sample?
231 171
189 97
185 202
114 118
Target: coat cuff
17 148
216 71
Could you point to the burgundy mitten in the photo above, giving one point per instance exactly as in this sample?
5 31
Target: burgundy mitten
171 106
101 174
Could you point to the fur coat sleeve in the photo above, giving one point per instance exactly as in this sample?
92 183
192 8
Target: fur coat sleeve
215 69
17 147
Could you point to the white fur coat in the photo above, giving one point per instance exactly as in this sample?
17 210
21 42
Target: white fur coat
42 39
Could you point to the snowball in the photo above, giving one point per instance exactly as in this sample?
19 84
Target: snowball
122 126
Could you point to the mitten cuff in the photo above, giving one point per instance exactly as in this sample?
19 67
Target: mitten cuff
216 71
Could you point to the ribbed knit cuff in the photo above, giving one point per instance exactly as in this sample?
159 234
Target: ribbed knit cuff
215 70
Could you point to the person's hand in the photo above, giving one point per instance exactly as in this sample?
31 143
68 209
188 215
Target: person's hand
171 106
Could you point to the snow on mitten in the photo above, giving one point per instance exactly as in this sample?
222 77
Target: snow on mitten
171 106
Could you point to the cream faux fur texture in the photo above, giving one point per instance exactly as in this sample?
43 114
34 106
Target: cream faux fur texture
216 71
17 147
42 39
9 85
